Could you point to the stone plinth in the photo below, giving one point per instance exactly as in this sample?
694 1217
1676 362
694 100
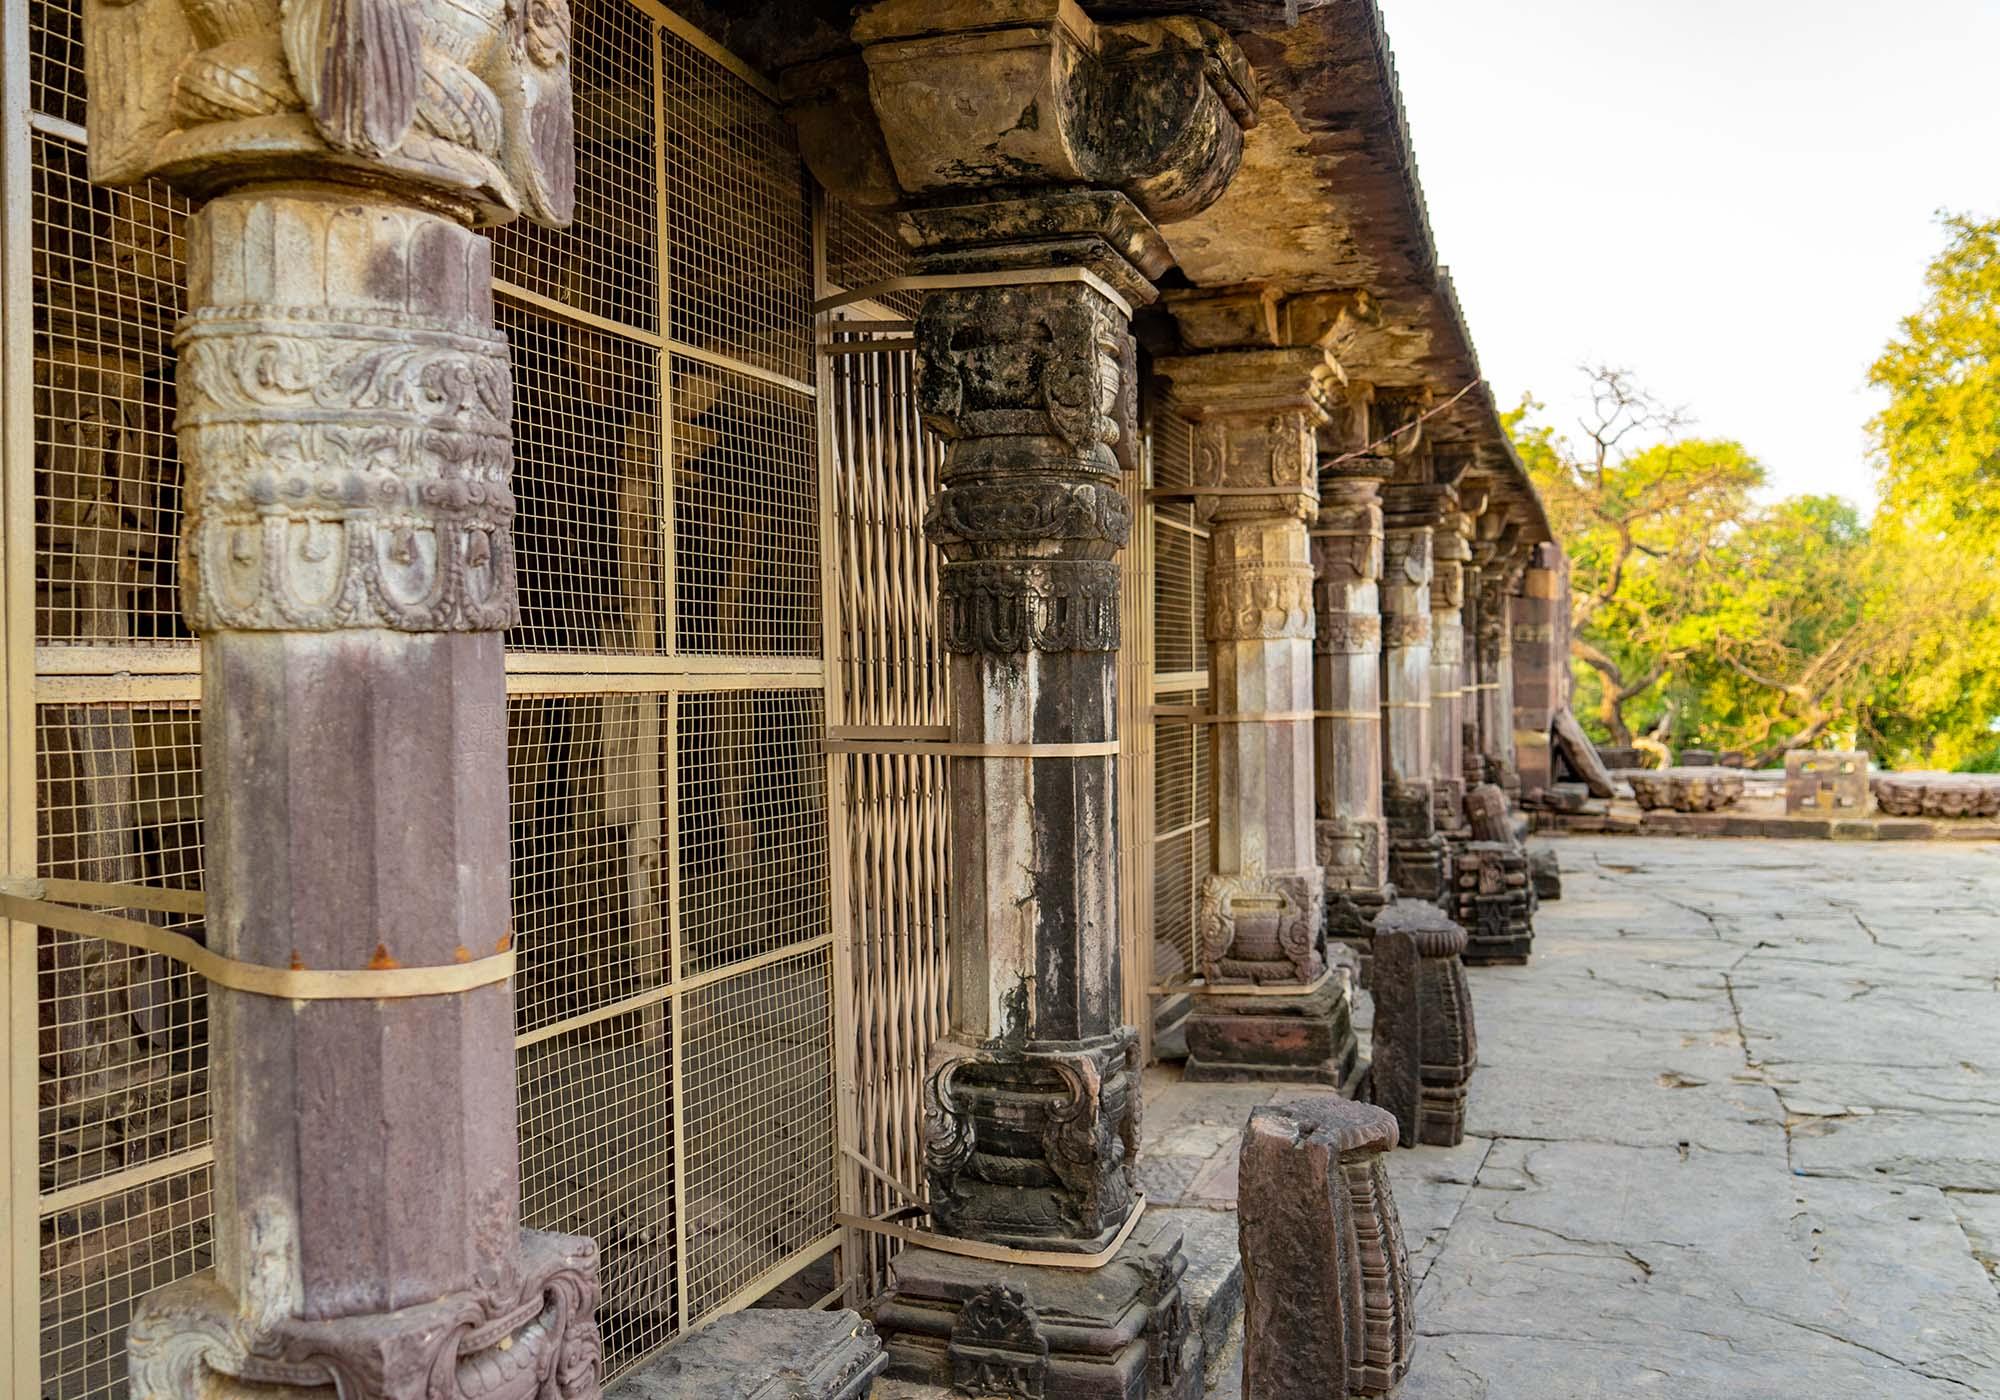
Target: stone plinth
1937 794
1698 789
1305 1036
1118 1332
1494 888
1546 869
763 1354
1825 782
1425 1045
1327 1296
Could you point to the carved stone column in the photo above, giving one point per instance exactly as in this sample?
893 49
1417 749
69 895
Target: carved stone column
1450 548
1541 667
1262 913
1493 688
1417 861
1347 692
347 554
1026 365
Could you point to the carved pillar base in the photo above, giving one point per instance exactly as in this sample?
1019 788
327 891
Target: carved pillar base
530 1335
1029 1145
1424 1043
1354 852
1305 1037
1419 859
1292 1019
1122 1332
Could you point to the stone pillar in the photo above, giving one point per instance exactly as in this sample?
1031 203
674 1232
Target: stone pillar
1043 238
1449 552
1347 692
1493 702
1541 666
1417 863
347 555
1262 913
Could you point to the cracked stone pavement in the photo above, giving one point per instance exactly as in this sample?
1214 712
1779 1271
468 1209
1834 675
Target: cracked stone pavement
1735 1133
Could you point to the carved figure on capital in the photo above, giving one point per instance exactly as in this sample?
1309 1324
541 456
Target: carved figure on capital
470 101
1406 557
1347 633
1024 362
1406 630
1253 601
1353 555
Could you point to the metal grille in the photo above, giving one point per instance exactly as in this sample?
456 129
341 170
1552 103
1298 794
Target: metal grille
739 231
746 515
889 680
107 478
672 890
1183 854
587 483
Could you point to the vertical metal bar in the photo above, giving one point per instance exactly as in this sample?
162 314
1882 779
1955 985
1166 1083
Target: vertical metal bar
670 704
846 1102
20 1279
662 253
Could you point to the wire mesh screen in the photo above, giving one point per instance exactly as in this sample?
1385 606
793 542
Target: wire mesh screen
107 479
1182 853
739 230
889 678
671 890
746 515
606 263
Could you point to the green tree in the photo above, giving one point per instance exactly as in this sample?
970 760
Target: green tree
1938 441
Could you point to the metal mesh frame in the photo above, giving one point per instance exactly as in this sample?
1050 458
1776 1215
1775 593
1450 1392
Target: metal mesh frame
678 987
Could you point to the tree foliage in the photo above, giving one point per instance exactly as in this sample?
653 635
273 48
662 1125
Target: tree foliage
1706 615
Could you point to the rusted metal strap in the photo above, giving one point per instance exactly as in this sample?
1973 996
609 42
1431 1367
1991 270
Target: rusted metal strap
36 902
932 741
994 1253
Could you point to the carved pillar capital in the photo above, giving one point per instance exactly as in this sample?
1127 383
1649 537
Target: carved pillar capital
1256 414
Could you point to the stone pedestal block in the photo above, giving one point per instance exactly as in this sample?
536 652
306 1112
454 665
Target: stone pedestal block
1327 1295
1547 874
764 1354
1419 865
1425 1044
1304 1037
1493 889
1120 1332
1828 783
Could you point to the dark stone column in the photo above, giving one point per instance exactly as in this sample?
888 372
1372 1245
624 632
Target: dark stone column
1417 862
347 549
1493 687
1042 236
1347 692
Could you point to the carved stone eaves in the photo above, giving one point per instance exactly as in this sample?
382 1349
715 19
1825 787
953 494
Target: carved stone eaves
1035 94
466 104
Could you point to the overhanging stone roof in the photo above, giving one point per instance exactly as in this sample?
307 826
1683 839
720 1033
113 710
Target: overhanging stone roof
1328 198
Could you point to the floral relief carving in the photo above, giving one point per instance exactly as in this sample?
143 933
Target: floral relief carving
1348 633
1406 629
1261 928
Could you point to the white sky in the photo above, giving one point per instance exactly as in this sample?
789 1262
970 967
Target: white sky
1732 198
